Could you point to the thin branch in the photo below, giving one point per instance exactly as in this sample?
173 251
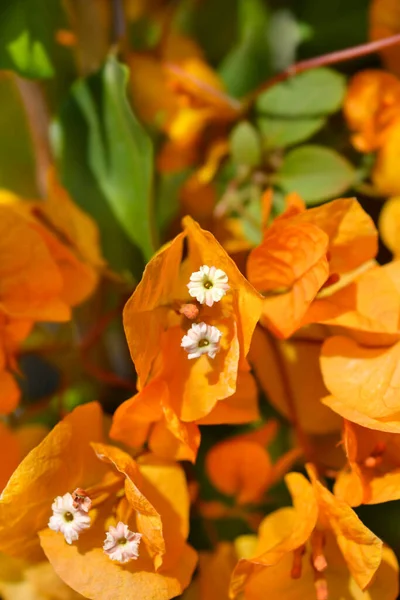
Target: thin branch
38 120
324 60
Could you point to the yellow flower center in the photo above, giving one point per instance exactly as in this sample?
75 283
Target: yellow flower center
68 516
204 342
122 541
208 285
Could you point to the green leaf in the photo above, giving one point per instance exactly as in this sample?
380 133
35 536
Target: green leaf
247 64
294 110
245 147
17 161
120 154
280 133
313 93
316 173
70 141
27 30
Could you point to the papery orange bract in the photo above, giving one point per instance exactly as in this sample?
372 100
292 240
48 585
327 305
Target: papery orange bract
15 444
31 283
59 463
155 500
364 382
184 95
384 21
316 512
291 265
22 581
373 473
241 466
339 582
190 390
389 225
370 318
371 109
288 373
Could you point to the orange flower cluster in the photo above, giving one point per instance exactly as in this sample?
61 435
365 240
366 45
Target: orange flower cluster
50 262
194 326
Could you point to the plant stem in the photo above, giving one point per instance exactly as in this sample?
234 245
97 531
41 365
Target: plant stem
324 60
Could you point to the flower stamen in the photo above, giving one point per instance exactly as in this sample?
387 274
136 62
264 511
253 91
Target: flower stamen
121 544
67 518
201 339
208 285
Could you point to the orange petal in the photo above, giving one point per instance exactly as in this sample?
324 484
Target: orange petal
97 577
280 533
361 549
62 462
239 468
353 238
374 318
30 279
365 382
385 175
385 21
148 519
290 266
297 378
389 225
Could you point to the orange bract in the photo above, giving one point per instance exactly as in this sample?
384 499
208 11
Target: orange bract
121 489
317 518
371 109
300 251
187 390
373 472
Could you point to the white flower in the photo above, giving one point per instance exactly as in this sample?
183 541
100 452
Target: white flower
68 519
208 285
121 544
201 339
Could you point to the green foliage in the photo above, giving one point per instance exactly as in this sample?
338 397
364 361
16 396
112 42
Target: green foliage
120 154
292 111
17 162
27 36
247 64
70 139
245 147
316 173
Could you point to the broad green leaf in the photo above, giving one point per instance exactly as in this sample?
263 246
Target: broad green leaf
17 161
314 93
27 29
245 147
247 64
280 133
70 140
120 153
294 110
316 173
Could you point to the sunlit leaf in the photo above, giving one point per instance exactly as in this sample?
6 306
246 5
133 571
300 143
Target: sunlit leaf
120 153
26 37
245 145
316 173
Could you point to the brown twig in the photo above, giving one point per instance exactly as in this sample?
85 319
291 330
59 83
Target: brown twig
38 120
324 60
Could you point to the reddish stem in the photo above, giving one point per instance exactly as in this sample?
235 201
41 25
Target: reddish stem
324 60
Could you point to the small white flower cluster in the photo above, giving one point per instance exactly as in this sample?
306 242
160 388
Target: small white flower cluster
70 517
208 285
